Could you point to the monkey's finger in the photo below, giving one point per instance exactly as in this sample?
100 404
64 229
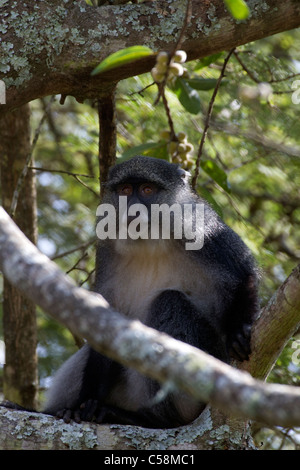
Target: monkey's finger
241 348
77 417
64 414
88 409
101 416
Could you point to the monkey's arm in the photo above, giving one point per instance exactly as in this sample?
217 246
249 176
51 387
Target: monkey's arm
232 267
90 387
83 380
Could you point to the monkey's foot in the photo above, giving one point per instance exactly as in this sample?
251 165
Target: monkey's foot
240 346
89 411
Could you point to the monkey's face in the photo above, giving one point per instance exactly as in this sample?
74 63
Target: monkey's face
147 196
135 199
138 192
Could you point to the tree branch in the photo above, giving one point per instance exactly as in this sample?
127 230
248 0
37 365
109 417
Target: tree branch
133 344
257 138
50 47
25 169
207 119
277 322
39 432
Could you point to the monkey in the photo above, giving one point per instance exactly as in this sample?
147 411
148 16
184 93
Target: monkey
206 297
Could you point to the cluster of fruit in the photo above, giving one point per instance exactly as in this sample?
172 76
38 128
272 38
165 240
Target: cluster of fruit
179 149
169 70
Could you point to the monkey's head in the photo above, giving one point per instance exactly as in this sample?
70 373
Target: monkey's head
159 180
166 175
136 188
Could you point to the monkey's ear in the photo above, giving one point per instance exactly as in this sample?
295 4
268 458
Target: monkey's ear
185 175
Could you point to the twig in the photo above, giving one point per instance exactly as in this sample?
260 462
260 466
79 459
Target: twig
74 175
87 278
23 174
140 92
168 113
161 86
289 77
207 120
77 263
86 186
60 171
186 21
244 67
77 248
268 143
272 80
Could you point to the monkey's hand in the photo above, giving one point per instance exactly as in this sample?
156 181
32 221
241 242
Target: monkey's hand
95 411
87 411
67 415
240 347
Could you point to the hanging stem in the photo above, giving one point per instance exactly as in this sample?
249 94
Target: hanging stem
107 134
207 119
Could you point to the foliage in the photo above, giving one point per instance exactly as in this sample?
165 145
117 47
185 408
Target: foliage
122 57
238 8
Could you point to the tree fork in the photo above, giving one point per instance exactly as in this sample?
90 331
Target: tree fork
277 323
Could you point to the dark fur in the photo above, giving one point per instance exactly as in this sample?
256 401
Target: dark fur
207 298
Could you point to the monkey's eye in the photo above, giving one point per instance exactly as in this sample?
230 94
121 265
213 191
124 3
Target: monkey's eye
124 190
147 189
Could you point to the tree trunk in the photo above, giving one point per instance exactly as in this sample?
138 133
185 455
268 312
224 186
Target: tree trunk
19 313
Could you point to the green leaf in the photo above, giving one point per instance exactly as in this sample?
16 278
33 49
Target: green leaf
202 83
216 173
209 198
155 149
207 60
124 56
187 96
238 9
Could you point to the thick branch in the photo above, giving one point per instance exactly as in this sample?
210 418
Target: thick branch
278 321
131 343
36 431
50 47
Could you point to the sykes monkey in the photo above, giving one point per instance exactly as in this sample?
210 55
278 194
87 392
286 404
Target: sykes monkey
206 297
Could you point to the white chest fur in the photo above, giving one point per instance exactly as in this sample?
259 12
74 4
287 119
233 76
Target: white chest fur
146 268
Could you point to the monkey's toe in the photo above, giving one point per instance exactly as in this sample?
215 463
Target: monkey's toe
240 347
